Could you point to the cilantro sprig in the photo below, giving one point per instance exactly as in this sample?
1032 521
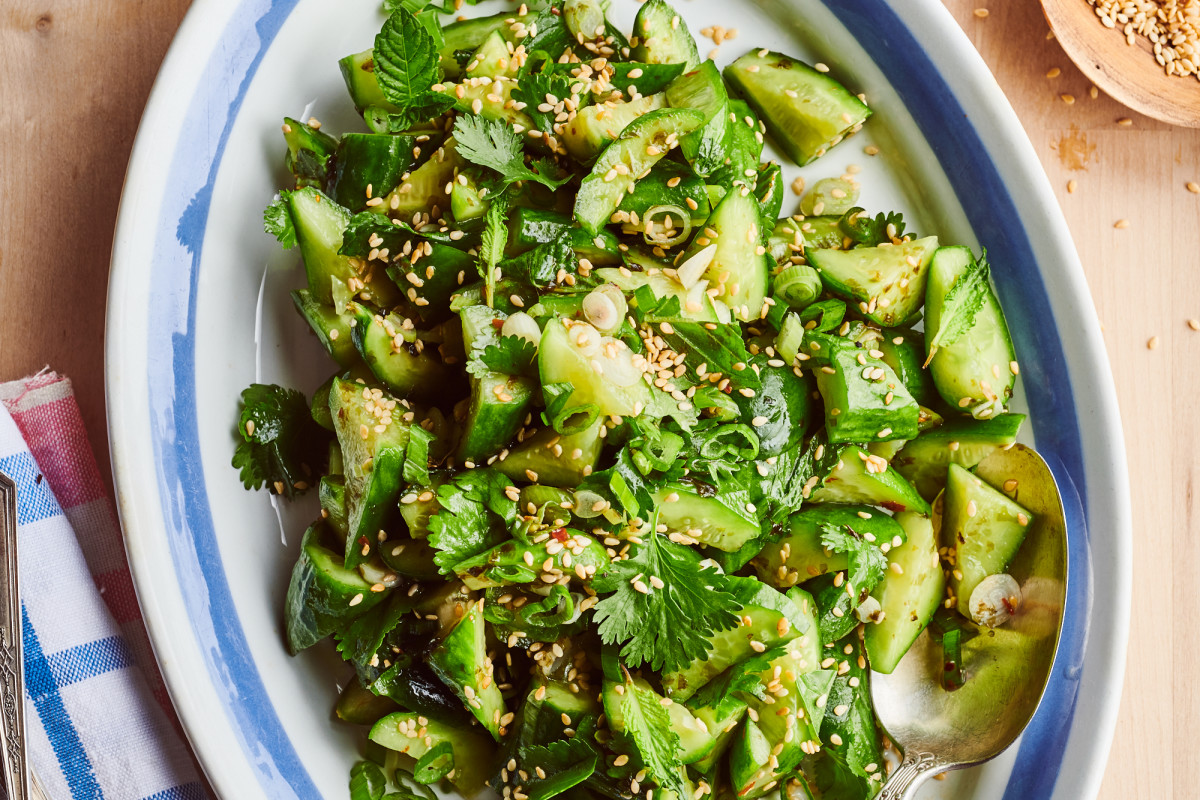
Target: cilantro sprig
662 587
277 221
281 447
510 355
492 144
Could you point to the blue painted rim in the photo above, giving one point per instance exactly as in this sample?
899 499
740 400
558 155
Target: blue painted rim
984 197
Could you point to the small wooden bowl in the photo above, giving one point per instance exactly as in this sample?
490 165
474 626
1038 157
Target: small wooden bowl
1128 73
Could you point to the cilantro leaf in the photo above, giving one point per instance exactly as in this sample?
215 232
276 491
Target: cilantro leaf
491 143
277 221
836 603
511 355
693 603
648 725
870 231
491 248
474 511
280 444
407 63
367 781
360 641
960 306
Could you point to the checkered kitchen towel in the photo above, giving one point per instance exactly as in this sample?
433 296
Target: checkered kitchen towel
99 720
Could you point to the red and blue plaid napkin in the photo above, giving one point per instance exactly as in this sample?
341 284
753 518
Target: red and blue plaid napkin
100 722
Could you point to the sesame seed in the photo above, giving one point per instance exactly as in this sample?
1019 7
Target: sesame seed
981 13
1194 324
1053 72
1193 187
1071 186
1152 343
1069 99
1121 224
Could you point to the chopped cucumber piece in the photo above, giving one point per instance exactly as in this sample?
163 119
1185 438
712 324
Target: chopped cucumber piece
322 593
806 111
800 556
660 36
398 357
425 186
358 71
721 522
694 303
466 35
924 460
461 661
332 329
493 58
604 379
830 196
556 459
374 439
984 527
415 735
319 224
708 146
370 165
859 477
886 282
739 269
975 372
641 145
864 400
767 618
493 99
911 590
594 126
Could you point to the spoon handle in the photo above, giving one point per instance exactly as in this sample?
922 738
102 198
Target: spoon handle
912 772
12 692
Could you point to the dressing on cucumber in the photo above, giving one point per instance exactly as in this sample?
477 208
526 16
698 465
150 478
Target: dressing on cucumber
624 469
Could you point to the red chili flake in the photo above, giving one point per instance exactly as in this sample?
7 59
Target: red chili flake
559 535
497 324
893 506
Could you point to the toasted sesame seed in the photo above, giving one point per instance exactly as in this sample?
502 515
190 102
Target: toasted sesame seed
1193 187
1053 72
1194 324
1067 98
1152 343
1072 185
981 13
1121 224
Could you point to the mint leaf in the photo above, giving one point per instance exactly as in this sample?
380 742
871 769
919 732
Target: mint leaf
720 348
407 63
367 781
692 603
961 304
277 221
511 355
416 456
491 143
491 248
648 725
565 762
281 447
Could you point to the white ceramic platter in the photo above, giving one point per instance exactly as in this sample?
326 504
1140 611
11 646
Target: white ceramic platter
188 328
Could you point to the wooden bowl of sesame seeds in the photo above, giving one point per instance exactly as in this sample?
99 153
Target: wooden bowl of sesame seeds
1143 53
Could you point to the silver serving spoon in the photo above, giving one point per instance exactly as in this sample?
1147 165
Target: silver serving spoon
14 764
1006 669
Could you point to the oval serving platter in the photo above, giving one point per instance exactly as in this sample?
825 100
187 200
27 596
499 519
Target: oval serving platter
199 308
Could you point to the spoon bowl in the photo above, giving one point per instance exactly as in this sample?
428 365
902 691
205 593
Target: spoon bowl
1006 668
1127 73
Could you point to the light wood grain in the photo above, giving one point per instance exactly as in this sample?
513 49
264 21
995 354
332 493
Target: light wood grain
74 77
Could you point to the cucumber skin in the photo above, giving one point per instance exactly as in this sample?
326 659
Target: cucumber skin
658 41
916 591
320 594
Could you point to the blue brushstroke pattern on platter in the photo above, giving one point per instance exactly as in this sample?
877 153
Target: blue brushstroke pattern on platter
989 208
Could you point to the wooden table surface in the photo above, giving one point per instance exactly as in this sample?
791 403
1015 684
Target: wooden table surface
75 74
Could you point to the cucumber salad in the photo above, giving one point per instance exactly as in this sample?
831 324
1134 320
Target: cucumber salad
629 476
